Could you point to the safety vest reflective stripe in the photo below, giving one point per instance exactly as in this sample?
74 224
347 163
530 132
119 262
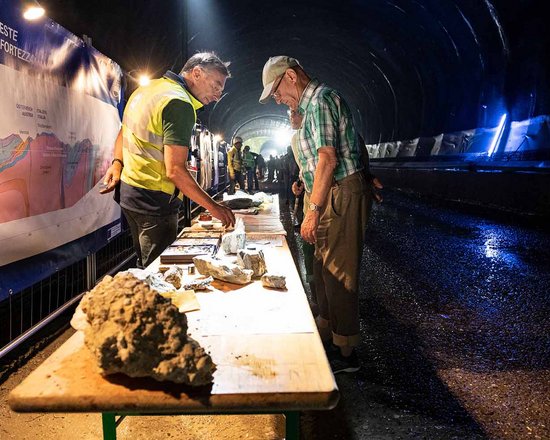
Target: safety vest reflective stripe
143 148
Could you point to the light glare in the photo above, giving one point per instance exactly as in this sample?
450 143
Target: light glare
33 13
144 80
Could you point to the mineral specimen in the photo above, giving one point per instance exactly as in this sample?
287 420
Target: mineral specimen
252 259
134 330
173 276
275 281
222 270
236 240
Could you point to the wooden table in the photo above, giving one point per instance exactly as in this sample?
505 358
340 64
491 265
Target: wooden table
269 356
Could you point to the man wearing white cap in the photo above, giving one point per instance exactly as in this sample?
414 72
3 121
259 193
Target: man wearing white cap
339 202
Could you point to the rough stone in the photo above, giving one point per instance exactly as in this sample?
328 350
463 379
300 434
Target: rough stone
174 276
252 259
233 241
275 281
134 330
222 270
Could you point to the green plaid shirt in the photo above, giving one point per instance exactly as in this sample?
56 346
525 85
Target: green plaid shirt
327 123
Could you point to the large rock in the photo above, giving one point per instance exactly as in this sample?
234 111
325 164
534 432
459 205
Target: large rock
222 270
133 330
253 260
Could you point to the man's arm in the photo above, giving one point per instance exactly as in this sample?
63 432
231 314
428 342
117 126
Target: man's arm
175 160
322 181
112 177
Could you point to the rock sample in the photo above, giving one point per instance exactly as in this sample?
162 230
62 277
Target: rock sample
134 330
275 281
233 242
197 284
154 280
252 259
236 240
173 276
222 270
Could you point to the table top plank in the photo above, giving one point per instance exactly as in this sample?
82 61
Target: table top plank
264 342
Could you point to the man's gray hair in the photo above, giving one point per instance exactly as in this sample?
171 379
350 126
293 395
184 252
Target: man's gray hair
209 61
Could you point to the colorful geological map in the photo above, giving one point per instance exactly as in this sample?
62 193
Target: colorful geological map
43 174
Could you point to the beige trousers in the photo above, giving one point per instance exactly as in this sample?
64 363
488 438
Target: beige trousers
338 251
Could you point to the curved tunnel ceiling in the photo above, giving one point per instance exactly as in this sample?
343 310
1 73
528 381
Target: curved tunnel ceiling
406 67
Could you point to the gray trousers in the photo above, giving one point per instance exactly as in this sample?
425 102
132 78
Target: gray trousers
151 234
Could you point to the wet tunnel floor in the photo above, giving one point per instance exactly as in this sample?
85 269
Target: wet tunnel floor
455 318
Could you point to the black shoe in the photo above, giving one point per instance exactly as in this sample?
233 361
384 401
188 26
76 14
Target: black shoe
344 364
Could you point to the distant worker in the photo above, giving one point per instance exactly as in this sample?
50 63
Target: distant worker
235 165
151 150
260 161
249 165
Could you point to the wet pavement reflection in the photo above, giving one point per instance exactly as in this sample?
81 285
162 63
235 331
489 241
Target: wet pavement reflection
455 316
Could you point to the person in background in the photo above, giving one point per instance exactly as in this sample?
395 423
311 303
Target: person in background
260 161
289 174
256 171
149 169
235 166
271 168
332 171
249 165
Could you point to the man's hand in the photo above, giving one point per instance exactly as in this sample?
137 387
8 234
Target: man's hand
297 188
375 186
112 178
223 213
309 226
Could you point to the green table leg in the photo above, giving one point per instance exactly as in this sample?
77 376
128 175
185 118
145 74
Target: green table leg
292 425
109 426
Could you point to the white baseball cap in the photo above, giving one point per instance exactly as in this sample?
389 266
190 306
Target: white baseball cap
273 69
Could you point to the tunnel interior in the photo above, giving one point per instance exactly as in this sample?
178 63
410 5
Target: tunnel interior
408 68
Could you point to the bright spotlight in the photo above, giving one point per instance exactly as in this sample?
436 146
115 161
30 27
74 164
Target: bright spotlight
144 80
217 138
32 10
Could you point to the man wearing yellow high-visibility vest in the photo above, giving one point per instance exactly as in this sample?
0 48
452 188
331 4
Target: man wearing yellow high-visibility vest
151 151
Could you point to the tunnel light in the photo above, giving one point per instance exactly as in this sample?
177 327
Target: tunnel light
498 135
283 136
217 138
144 80
32 10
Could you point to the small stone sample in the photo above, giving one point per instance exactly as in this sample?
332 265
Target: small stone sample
133 330
222 270
197 284
154 280
252 259
173 276
275 281
233 241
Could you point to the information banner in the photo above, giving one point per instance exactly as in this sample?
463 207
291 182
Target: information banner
59 101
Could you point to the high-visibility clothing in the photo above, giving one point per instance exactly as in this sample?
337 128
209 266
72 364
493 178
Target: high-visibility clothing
143 147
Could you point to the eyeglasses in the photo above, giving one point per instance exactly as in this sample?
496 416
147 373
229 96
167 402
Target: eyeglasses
274 93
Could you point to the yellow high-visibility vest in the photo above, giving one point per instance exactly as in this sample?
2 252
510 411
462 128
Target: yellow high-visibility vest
142 146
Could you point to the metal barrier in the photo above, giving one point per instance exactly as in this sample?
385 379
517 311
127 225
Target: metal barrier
26 312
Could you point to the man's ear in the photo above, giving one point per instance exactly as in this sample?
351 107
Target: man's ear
292 75
197 72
